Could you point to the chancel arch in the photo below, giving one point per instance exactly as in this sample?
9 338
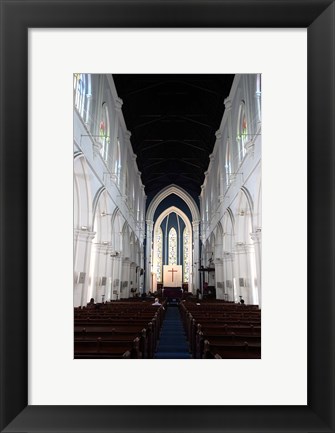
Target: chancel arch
180 192
193 229
168 236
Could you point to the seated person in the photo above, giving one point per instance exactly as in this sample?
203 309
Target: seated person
91 304
157 302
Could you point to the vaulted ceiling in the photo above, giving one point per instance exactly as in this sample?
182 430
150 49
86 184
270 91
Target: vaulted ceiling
173 120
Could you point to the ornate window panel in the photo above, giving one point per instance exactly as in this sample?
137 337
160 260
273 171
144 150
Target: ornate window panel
173 244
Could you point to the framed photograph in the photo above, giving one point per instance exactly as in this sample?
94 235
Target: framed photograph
18 410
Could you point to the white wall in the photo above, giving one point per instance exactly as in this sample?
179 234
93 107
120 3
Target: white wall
231 196
108 205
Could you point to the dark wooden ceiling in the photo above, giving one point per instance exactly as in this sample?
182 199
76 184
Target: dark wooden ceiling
173 120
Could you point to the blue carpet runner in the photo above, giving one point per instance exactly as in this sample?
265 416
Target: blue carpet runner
172 340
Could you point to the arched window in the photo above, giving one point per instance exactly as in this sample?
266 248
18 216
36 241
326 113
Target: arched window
186 242
218 185
117 161
208 210
104 131
126 186
173 244
133 197
228 164
82 94
258 96
242 131
159 254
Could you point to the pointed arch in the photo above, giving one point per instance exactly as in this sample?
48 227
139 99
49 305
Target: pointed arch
228 223
173 189
96 202
242 131
180 214
126 240
117 225
218 242
82 193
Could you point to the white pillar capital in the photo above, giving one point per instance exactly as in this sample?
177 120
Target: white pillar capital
150 224
84 234
195 224
118 104
127 134
228 103
256 235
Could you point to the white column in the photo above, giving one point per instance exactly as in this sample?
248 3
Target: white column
132 278
148 260
83 246
102 261
125 281
228 259
117 278
219 279
256 238
141 277
111 281
196 256
108 274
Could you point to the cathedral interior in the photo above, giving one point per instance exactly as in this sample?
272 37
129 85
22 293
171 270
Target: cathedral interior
167 198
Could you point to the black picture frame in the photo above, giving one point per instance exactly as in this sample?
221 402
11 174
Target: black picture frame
17 17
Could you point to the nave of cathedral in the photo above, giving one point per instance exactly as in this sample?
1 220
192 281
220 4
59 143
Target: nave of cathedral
167 206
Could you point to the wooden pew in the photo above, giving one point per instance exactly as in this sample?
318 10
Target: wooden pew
84 349
232 351
108 335
229 340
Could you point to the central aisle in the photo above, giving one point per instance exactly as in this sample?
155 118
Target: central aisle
172 341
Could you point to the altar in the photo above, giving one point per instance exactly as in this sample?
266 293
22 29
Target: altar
172 275
172 293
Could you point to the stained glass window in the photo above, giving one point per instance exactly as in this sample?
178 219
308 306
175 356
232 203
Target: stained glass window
186 241
172 247
82 94
117 160
79 84
228 164
258 95
242 132
104 130
159 254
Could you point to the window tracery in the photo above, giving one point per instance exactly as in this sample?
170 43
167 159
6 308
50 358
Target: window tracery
104 130
159 254
186 243
242 131
173 244
82 94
